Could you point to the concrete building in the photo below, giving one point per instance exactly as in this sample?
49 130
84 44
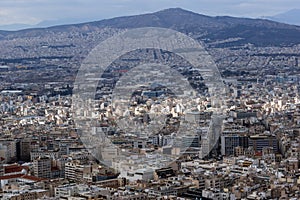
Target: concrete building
42 167
259 142
8 150
65 190
76 171
230 142
25 148
51 154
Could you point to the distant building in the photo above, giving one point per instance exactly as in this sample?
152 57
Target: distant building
193 117
140 174
162 191
164 173
50 154
191 140
244 114
42 167
151 94
76 171
65 190
259 142
230 142
7 180
28 194
239 151
25 148
8 151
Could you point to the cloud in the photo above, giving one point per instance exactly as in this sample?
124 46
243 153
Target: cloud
15 16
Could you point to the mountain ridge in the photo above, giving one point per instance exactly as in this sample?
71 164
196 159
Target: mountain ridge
169 11
290 17
254 31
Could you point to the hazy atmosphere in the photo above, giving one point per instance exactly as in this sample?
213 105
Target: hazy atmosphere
149 99
51 12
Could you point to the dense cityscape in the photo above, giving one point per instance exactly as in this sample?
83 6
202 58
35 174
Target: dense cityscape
43 154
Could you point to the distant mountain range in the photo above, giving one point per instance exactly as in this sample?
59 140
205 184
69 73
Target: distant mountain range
213 30
42 24
12 27
289 17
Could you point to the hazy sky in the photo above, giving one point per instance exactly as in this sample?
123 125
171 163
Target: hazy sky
35 11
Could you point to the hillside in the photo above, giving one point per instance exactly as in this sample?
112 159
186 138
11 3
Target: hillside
259 32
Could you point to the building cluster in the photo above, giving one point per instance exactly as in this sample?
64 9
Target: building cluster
160 146
256 155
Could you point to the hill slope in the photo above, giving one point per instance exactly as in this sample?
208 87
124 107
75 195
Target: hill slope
259 32
289 17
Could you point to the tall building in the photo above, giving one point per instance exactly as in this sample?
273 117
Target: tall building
230 141
192 117
74 170
42 167
259 142
8 151
191 140
44 153
232 137
25 148
239 151
1 169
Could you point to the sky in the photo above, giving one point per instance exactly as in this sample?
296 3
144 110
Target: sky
73 11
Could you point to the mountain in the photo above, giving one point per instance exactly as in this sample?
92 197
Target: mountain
48 23
42 24
41 55
289 17
236 31
14 27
